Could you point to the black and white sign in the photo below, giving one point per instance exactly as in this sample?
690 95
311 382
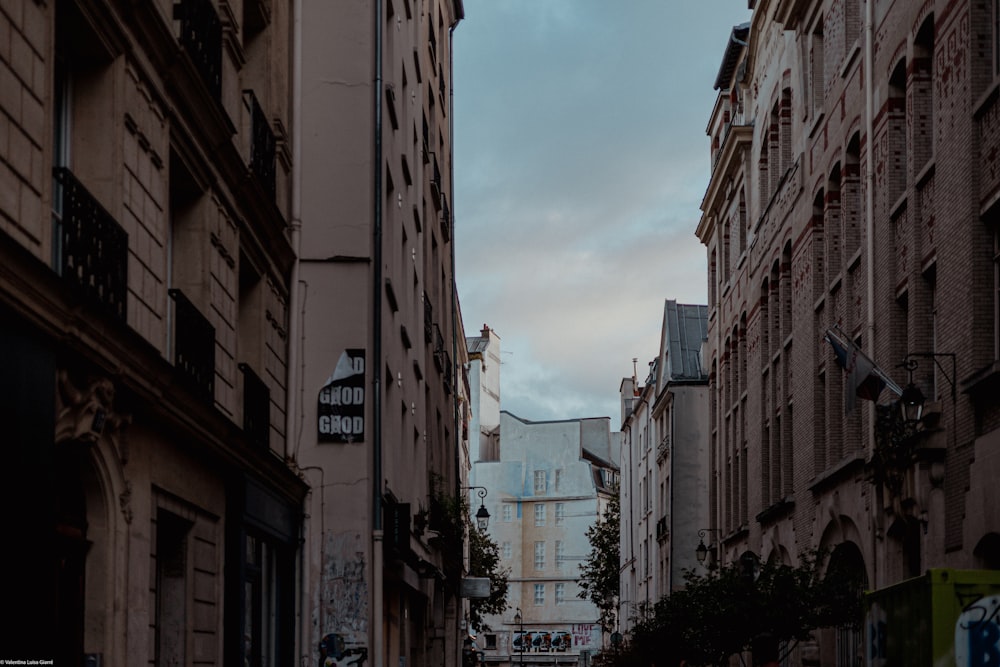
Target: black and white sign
341 410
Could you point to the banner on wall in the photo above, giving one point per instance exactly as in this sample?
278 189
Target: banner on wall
341 409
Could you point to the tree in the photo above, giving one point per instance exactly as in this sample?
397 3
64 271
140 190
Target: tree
726 612
599 581
484 561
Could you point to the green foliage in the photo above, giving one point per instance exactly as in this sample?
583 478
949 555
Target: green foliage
722 614
599 581
449 517
484 561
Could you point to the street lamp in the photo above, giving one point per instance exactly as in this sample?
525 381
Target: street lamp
519 620
701 551
482 514
912 399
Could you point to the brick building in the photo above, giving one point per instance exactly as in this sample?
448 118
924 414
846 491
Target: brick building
854 189
144 280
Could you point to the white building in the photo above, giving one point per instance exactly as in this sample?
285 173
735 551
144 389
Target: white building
665 462
548 483
484 395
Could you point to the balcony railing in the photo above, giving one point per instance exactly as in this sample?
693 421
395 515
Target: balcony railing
262 144
428 319
92 248
201 37
256 408
446 369
435 181
445 218
194 346
438 348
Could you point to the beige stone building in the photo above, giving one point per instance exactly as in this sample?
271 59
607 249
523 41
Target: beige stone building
664 465
853 189
380 399
229 376
144 287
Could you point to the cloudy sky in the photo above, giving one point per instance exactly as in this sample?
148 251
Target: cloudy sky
580 162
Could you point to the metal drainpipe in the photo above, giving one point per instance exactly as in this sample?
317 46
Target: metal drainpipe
454 291
293 378
377 566
870 241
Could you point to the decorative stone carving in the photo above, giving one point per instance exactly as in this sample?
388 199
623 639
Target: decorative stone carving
83 415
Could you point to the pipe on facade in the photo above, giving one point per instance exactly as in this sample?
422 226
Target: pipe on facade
292 376
870 241
376 556
870 186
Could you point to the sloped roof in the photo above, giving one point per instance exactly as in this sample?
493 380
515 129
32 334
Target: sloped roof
477 344
737 40
685 327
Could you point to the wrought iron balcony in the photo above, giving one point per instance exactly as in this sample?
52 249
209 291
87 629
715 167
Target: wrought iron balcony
445 218
201 37
262 144
256 408
435 181
194 346
428 319
446 371
92 248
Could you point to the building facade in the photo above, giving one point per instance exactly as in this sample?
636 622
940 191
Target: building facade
664 465
548 483
381 416
144 290
853 191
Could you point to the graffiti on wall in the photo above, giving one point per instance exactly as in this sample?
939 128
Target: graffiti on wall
579 636
977 633
333 652
343 608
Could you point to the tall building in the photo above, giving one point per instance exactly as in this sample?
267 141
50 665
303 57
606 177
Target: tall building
852 206
151 517
380 413
548 482
665 465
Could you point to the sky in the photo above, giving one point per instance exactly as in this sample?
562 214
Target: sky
580 163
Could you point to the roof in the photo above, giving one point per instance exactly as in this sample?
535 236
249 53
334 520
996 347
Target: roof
477 344
686 328
737 40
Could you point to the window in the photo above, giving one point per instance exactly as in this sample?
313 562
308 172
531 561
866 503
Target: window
539 482
539 514
558 480
996 289
560 513
491 642
996 37
508 512
817 70
560 554
560 593
506 550
540 555
171 588
539 594
896 108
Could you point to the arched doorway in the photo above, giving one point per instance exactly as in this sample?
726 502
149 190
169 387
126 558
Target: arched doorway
69 558
848 563
987 552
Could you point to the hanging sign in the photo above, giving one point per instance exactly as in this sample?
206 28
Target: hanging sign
341 410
